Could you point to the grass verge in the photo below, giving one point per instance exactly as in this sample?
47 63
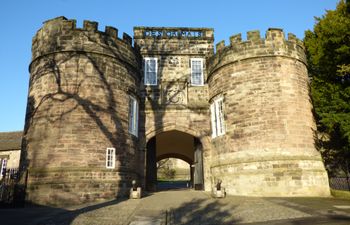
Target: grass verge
340 194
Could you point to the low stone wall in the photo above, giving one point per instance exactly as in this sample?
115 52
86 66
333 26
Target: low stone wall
67 186
279 174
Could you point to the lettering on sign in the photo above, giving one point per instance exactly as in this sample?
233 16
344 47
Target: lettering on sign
168 33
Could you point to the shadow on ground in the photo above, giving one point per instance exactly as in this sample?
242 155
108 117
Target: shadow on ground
187 208
322 211
201 212
43 215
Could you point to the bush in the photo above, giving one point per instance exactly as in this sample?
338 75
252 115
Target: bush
169 173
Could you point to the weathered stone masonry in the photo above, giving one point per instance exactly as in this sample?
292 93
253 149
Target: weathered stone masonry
268 148
80 84
78 104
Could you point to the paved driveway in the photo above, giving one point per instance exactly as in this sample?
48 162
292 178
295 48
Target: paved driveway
188 207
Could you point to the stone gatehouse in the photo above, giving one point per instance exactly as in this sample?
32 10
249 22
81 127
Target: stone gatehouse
102 110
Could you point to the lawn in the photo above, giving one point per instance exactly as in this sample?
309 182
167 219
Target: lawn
340 194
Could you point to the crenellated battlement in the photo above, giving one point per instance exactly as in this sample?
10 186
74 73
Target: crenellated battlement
90 26
62 35
274 44
98 120
272 35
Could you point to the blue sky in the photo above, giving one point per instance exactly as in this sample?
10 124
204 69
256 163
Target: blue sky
21 19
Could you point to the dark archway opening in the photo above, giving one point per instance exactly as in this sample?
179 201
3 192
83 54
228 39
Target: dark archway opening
175 144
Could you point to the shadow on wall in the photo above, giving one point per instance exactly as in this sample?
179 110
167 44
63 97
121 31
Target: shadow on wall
166 95
64 96
69 72
167 92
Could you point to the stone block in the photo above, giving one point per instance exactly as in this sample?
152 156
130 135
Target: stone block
135 194
219 193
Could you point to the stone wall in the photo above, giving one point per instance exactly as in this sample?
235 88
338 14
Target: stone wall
174 104
10 148
268 148
174 55
12 157
78 105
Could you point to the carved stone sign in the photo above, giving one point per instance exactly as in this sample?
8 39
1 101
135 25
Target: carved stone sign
173 33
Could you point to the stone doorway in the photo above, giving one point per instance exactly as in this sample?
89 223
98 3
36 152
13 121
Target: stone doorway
174 144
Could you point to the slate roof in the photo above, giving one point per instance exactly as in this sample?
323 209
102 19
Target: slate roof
10 140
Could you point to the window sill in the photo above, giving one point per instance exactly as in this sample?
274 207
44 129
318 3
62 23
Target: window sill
133 134
197 85
218 136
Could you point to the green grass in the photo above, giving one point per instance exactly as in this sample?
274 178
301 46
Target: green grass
170 180
340 194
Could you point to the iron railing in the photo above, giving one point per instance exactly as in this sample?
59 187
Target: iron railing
340 183
10 191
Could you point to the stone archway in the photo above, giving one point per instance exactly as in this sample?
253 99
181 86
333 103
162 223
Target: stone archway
176 156
150 133
177 144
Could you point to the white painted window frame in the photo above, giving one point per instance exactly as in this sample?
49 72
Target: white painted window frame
202 71
3 165
110 158
133 116
217 117
146 81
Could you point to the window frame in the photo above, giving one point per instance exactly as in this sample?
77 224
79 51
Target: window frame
145 71
133 114
217 117
110 158
202 71
3 165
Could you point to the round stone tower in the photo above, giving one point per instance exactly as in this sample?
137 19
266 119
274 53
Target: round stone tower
77 147
268 147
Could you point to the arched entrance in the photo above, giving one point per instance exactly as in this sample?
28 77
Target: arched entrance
175 144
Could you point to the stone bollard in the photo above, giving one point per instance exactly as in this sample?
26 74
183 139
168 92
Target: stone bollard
218 191
135 192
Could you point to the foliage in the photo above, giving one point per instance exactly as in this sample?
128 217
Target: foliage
162 163
328 54
169 173
164 170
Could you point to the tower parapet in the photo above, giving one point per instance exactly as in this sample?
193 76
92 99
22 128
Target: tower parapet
77 146
62 35
268 146
82 142
274 44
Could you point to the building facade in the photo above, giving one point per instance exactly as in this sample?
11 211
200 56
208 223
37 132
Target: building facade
103 110
10 151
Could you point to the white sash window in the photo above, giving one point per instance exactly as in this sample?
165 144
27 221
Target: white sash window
133 116
197 72
110 158
217 117
151 68
3 165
